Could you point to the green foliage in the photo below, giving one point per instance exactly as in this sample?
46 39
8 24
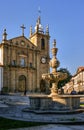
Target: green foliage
69 76
6 124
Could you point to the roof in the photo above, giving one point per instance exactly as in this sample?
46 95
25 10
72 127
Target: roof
81 68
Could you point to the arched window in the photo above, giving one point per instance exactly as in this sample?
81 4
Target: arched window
42 44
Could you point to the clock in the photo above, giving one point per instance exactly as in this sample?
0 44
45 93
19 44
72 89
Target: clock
22 43
43 60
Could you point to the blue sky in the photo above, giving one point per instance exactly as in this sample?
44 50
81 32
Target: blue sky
66 25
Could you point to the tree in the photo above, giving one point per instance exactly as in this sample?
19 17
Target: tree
63 82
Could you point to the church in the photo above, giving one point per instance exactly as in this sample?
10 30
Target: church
23 60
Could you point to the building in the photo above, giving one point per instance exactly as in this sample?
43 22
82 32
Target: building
23 60
76 83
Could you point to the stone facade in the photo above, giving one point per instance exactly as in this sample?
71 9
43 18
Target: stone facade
24 60
76 83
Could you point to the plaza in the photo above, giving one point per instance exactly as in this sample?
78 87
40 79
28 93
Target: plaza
30 76
11 106
21 104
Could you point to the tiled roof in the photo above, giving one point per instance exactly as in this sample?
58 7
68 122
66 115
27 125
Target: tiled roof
81 68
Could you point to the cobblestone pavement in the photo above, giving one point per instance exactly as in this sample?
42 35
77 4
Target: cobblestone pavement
12 106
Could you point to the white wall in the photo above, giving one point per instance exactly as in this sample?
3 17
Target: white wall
1 78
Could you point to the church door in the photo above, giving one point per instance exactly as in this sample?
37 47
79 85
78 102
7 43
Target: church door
22 83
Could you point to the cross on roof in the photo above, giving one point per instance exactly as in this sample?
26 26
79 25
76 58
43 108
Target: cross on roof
23 27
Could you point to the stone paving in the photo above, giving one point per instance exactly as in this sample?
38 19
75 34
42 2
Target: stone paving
12 106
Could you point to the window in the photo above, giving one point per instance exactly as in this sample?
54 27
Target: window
30 65
22 62
13 62
42 44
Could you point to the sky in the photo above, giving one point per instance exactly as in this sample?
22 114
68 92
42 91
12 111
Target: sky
66 24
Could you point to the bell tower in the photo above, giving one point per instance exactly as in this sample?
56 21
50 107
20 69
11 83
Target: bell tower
40 38
36 36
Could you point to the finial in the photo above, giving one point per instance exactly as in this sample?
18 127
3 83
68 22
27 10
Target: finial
23 27
54 43
4 35
39 20
30 31
5 30
37 27
47 29
39 14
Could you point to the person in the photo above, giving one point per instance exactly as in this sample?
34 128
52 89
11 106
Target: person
73 92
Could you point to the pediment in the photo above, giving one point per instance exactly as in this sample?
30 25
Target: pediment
22 42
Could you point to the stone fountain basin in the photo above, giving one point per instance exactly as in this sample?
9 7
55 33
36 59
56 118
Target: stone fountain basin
54 104
54 77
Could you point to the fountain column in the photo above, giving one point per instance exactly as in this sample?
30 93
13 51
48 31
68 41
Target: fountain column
54 63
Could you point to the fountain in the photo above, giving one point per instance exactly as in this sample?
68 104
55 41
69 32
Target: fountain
55 76
54 103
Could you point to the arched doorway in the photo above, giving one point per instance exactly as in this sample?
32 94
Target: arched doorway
22 83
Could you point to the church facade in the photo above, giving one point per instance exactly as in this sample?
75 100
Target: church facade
24 60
